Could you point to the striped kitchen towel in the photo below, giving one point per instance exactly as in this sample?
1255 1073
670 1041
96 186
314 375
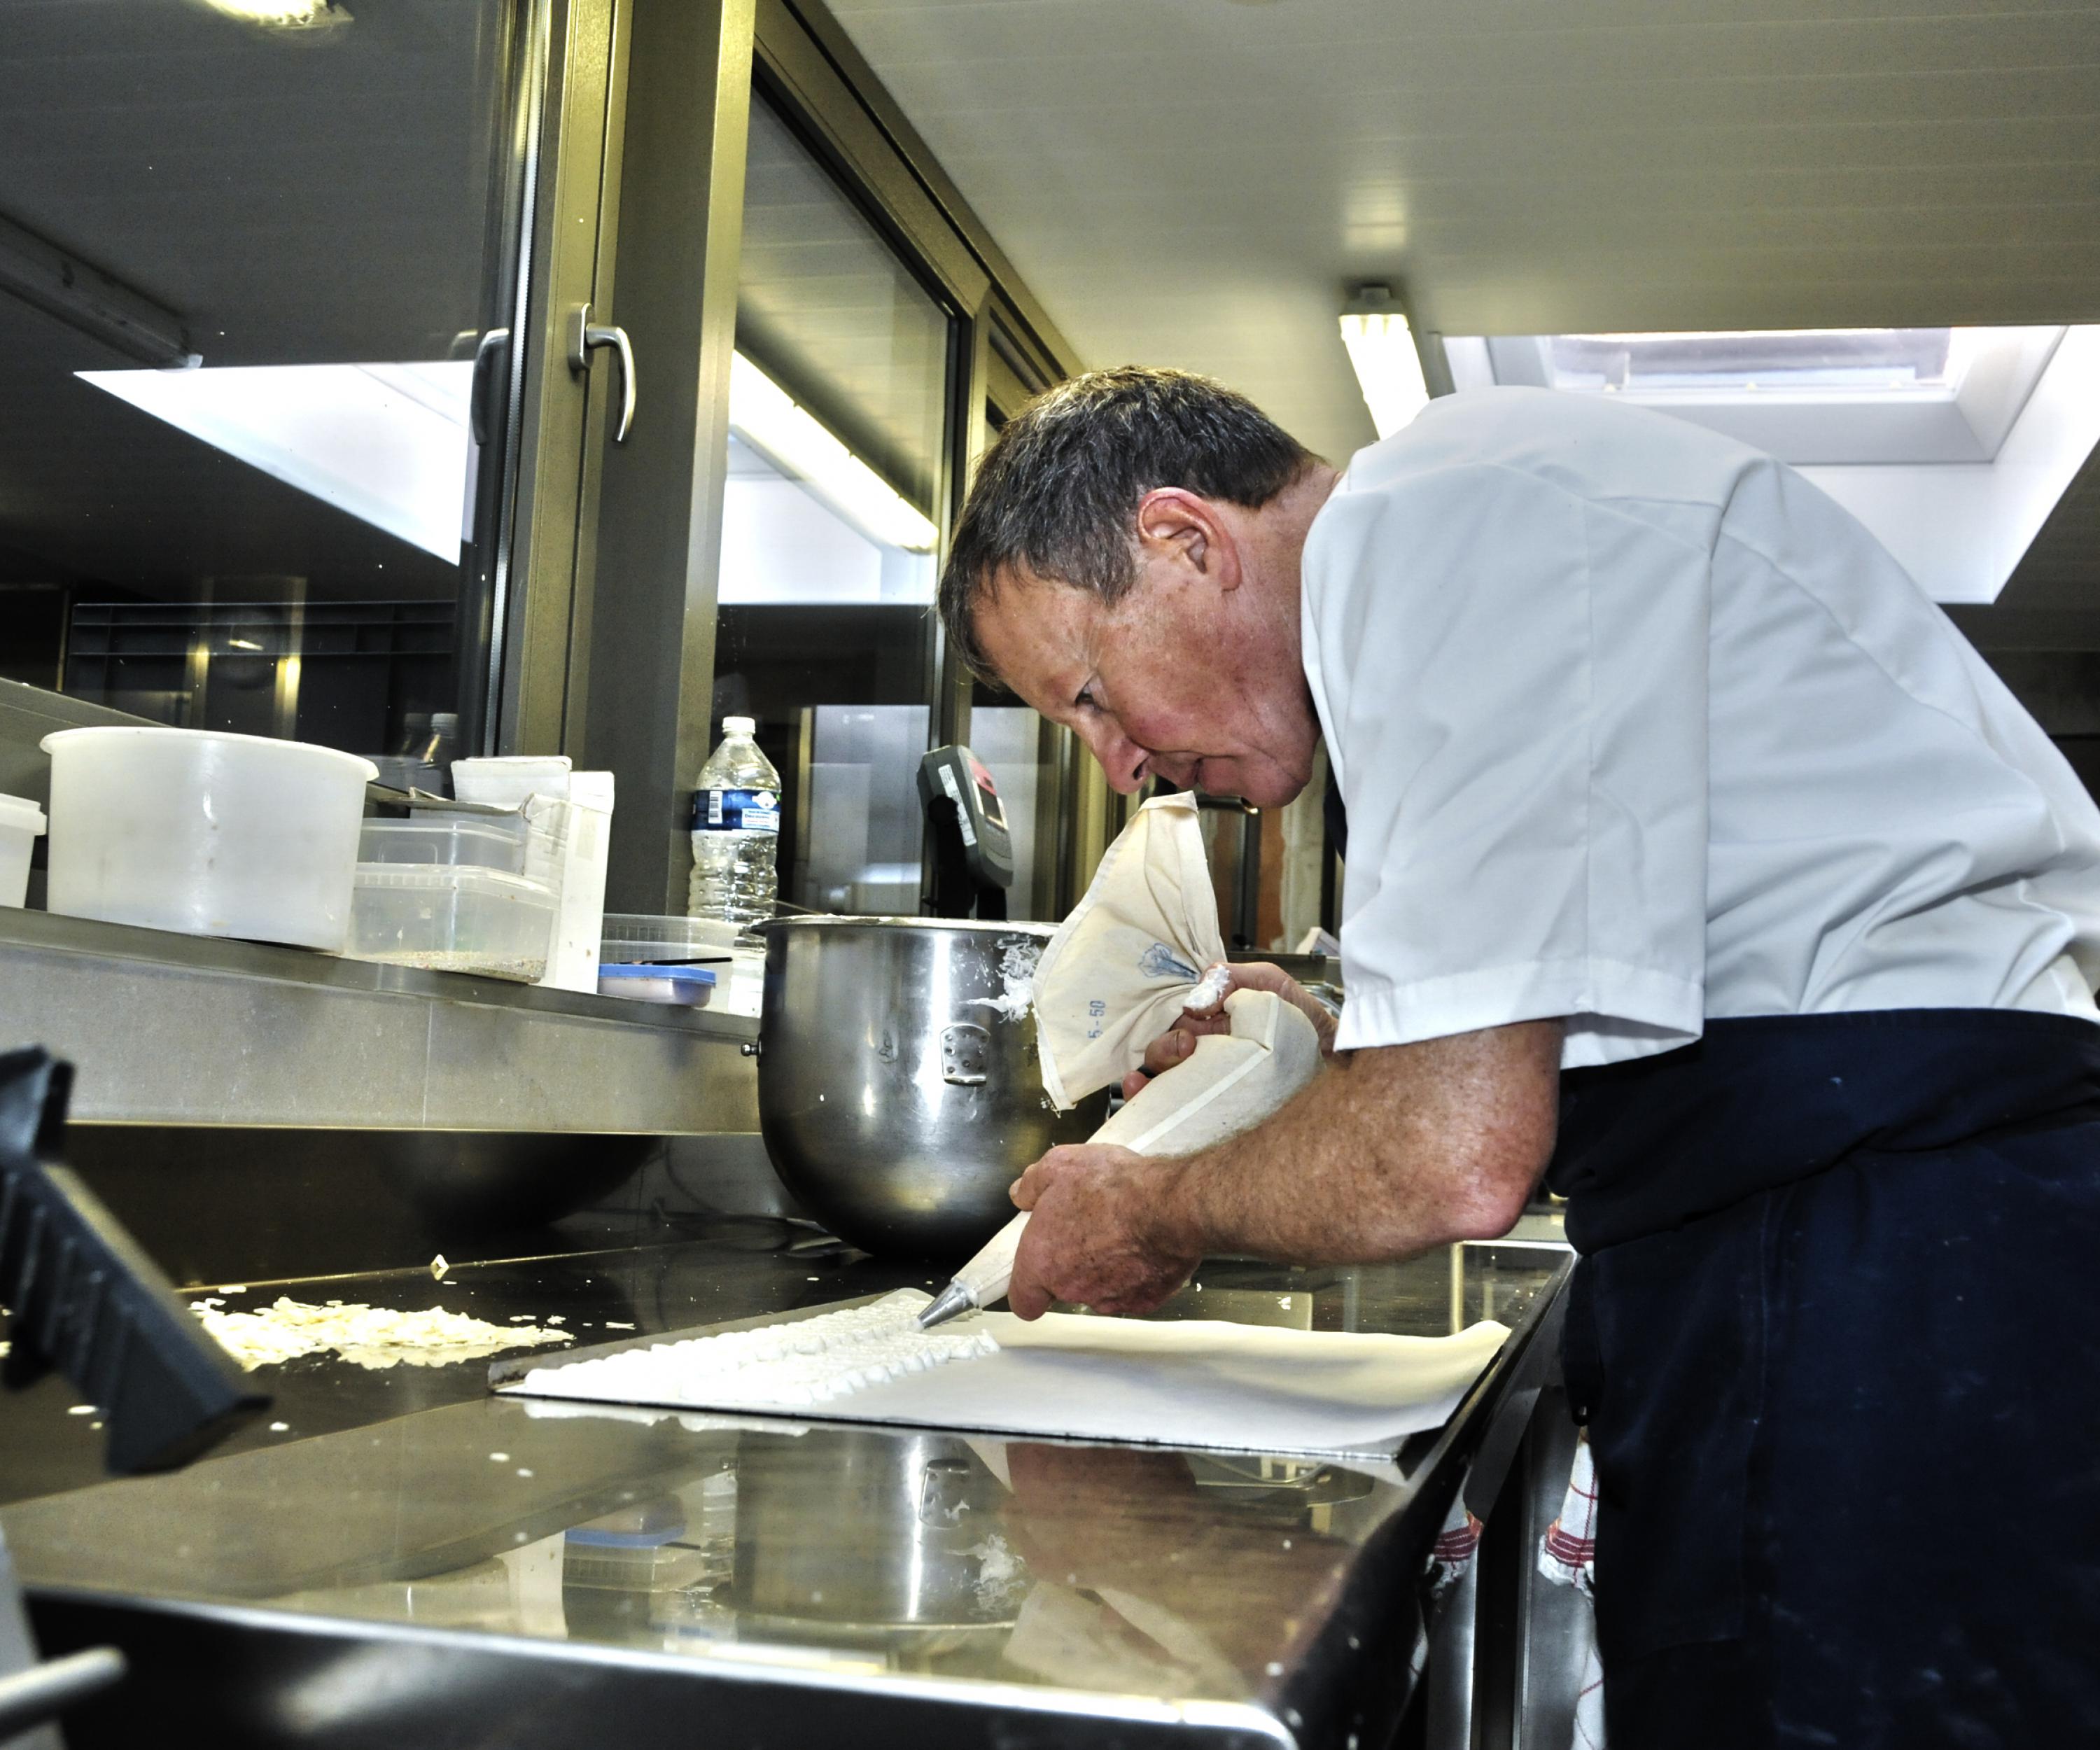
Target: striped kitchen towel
1568 1557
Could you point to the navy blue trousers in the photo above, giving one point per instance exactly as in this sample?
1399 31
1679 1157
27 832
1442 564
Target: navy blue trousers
1846 1423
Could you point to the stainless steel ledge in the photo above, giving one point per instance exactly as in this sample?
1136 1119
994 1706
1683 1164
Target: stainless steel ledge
176 1029
28 714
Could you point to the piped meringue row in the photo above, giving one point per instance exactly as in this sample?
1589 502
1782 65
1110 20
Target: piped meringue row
791 1366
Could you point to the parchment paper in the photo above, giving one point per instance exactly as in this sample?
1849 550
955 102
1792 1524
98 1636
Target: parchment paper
1190 1383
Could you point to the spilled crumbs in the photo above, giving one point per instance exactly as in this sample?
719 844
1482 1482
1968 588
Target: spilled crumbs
368 1336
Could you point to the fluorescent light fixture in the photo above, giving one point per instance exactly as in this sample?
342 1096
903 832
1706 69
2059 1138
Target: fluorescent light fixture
283 15
243 644
1382 353
88 300
766 417
387 443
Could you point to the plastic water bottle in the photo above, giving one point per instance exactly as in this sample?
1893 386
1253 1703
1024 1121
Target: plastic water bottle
736 831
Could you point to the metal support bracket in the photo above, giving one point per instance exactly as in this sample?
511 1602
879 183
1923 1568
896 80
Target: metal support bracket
965 1050
584 335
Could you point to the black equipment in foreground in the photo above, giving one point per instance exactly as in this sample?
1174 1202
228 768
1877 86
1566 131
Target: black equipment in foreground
972 860
88 1301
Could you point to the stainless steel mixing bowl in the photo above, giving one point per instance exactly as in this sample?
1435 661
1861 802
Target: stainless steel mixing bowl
898 1094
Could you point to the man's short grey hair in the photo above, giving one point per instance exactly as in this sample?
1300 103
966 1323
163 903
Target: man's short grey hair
1056 496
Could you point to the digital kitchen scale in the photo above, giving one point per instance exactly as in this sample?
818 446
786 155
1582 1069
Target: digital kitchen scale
972 851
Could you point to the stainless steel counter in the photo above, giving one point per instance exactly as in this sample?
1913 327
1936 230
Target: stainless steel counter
486 1572
165 1030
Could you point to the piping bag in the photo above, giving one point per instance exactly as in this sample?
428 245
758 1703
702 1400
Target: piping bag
1143 945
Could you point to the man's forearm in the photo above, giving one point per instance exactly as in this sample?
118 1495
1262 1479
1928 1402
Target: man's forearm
1387 1152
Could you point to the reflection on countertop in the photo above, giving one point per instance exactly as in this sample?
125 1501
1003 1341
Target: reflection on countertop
897 1557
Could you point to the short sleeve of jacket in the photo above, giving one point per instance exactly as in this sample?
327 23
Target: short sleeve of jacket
1512 680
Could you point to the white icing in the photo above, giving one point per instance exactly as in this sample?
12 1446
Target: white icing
784 1366
1211 991
1017 971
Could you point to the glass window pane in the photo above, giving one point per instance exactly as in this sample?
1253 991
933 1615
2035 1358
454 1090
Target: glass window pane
827 310
1010 739
838 428
277 539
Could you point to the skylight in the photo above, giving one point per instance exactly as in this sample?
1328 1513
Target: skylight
1952 444
1822 396
1848 361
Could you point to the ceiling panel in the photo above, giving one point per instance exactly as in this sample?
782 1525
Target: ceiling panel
1195 182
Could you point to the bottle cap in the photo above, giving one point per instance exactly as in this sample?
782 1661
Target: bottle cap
738 725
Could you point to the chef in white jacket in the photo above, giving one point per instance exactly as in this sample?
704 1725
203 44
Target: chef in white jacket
1697 867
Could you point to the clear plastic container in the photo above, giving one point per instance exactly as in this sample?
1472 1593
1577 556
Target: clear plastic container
442 844
642 1549
540 828
453 918
740 986
21 823
629 937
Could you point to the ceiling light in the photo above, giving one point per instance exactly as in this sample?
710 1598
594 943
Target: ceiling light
283 15
1383 353
765 416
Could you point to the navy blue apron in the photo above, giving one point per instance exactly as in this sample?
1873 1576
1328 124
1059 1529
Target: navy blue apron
1835 1334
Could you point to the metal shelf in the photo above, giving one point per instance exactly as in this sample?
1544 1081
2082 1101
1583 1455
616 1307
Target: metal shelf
170 1029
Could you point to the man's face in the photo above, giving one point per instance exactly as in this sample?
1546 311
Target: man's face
1191 677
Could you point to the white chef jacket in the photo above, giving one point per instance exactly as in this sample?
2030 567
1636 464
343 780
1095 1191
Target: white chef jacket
1636 726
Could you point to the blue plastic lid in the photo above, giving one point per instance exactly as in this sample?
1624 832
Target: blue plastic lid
678 975
590 1537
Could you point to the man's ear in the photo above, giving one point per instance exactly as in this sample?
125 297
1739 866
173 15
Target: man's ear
1173 523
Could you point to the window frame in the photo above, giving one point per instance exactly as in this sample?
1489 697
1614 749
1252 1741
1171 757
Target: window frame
652 114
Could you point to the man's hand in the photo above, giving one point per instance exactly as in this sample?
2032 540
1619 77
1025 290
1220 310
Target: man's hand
1174 1046
1101 1233
1389 1151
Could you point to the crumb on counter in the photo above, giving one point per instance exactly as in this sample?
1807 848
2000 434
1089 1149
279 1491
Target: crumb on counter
369 1337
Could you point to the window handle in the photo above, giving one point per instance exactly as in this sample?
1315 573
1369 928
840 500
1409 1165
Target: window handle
491 354
583 335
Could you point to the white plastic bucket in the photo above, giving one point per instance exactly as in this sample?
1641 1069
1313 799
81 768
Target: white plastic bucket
20 822
208 833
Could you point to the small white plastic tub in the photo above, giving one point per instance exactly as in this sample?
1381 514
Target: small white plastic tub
687 987
21 824
453 918
208 833
507 781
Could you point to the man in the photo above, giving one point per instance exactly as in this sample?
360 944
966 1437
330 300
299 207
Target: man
1697 866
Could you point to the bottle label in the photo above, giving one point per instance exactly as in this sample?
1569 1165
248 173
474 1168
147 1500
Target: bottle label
735 811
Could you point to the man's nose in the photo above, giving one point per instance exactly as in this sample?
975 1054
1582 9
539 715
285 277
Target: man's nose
1121 758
